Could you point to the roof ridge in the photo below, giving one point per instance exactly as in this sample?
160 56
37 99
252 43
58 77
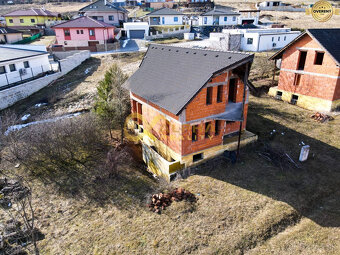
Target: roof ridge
210 49
96 21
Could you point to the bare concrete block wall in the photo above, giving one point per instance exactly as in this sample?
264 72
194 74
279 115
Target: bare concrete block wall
12 95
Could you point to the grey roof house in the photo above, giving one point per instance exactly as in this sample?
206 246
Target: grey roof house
105 11
188 105
165 17
219 17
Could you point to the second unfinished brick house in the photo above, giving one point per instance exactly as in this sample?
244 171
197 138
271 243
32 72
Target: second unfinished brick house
188 105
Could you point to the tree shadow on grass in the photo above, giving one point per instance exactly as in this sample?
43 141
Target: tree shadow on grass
306 188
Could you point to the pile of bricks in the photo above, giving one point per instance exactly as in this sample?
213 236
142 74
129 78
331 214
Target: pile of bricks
162 200
320 117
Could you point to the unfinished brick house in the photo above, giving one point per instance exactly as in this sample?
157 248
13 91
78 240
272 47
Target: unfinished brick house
310 70
188 105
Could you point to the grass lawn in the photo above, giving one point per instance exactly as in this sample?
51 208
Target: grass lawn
251 207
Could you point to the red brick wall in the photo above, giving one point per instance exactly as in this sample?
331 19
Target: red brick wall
310 85
198 108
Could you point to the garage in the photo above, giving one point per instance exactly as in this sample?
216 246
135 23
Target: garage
136 30
137 34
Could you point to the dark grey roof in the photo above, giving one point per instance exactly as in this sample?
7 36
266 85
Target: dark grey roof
164 11
101 6
220 12
7 30
327 38
7 53
171 76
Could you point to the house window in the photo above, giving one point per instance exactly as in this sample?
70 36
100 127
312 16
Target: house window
225 19
250 41
207 129
167 127
209 95
205 20
278 39
78 32
2 70
154 19
82 32
12 67
26 64
234 18
294 99
272 39
217 127
111 17
197 157
32 20
163 20
302 60
219 93
297 79
194 136
319 58
10 21
67 32
175 19
284 38
21 20
91 31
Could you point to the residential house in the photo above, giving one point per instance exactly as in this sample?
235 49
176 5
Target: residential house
105 11
30 18
136 30
9 35
84 32
158 4
165 17
218 17
185 112
19 63
264 39
249 17
310 70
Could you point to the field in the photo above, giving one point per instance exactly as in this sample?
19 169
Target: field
255 206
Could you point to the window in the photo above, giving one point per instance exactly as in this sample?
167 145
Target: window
250 41
297 79
67 32
26 64
234 18
12 67
82 32
91 31
272 39
302 60
21 20
111 17
225 18
278 39
65 42
10 21
319 58
279 95
2 70
284 38
294 99
217 127
175 19
194 136
207 129
197 157
219 93
163 20
32 20
154 19
209 95
78 32
205 20
167 127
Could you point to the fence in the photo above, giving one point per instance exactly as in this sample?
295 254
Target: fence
170 32
29 39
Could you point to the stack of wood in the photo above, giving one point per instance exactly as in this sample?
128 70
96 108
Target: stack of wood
320 117
162 200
